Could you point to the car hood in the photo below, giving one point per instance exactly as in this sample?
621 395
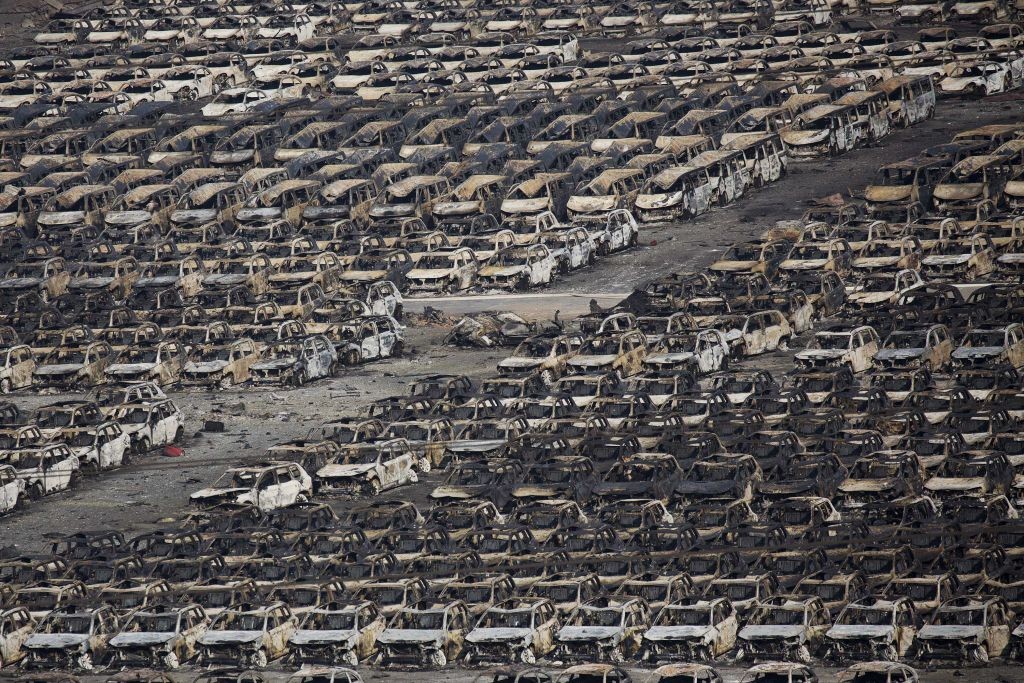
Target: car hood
393 636
524 205
141 639
899 354
669 358
233 157
56 370
497 635
771 632
804 137
501 271
205 367
591 204
130 368
932 632
229 637
275 364
456 208
264 213
588 633
60 217
945 259
711 487
955 483
976 352
592 361
334 471
870 297
520 363
305 637
127 217
193 216
858 485
957 191
820 354
658 200
217 493
668 633
887 193
856 632
428 273
225 279
156 281
385 210
1014 187
55 641
20 282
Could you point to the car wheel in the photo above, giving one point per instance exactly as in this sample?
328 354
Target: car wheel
142 446
227 382
547 377
528 656
424 464
5 386
170 660
35 492
438 658
979 654
352 358
802 654
259 659
373 487
85 661
397 350
350 658
179 435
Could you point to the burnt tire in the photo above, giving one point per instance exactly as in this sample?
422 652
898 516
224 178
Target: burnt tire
85 662
397 350
352 358
259 659
170 660
978 654
6 386
142 446
373 487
